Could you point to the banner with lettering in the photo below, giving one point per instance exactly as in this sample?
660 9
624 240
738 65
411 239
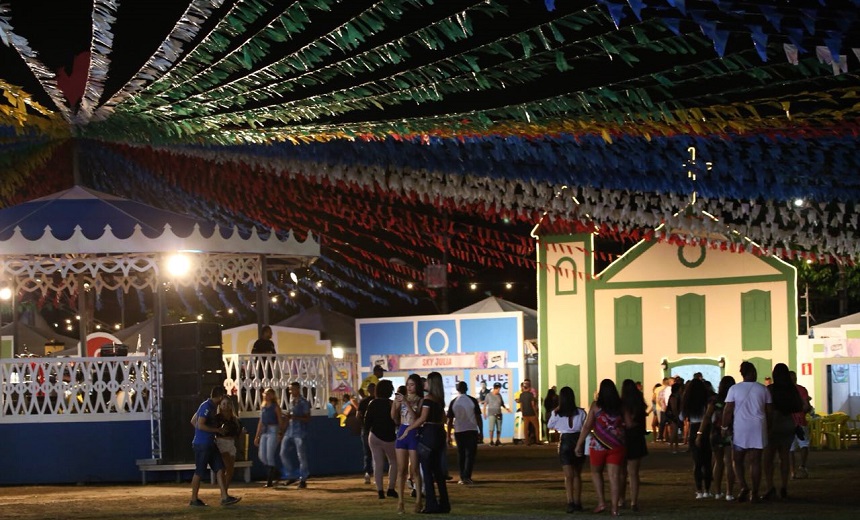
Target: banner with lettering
495 359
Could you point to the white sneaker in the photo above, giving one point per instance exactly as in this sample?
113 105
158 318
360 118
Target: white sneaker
730 498
718 496
707 494
700 496
367 478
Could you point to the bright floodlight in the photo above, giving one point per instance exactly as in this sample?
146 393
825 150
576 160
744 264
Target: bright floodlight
117 326
410 285
798 202
473 286
337 352
178 265
294 277
199 317
274 299
509 285
5 294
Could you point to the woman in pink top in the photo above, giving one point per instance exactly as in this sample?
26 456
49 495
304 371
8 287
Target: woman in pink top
605 422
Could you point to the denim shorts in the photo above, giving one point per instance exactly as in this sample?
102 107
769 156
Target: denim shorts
410 442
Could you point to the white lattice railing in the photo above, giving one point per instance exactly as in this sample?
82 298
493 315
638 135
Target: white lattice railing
74 389
110 389
249 375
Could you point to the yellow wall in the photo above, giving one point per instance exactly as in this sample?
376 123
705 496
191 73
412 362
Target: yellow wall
287 340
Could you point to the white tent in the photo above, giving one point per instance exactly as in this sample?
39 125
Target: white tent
851 319
494 304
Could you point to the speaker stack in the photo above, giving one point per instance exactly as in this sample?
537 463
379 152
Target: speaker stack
192 364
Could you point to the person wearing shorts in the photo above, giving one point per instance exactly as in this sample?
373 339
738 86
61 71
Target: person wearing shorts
206 453
605 422
800 445
567 419
405 410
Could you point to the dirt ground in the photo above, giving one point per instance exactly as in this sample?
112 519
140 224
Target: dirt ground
511 481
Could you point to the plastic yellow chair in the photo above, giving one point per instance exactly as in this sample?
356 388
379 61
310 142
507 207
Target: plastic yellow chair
851 431
815 434
831 430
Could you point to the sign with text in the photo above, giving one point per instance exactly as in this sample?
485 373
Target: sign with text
446 361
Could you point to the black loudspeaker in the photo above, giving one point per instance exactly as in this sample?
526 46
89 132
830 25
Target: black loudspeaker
176 429
192 364
192 359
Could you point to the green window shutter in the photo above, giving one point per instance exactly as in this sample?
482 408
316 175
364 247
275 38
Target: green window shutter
628 325
565 276
763 367
568 375
628 370
691 323
756 321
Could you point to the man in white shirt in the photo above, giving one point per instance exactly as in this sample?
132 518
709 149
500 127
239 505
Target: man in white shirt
464 418
746 419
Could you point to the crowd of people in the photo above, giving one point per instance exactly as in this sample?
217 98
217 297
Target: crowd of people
726 429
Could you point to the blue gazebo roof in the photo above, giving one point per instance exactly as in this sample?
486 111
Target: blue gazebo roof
92 211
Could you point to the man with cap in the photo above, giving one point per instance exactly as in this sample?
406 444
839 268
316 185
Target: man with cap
373 378
494 403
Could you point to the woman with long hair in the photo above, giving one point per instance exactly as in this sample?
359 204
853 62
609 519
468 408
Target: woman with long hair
405 410
673 413
226 441
786 402
605 422
382 432
550 403
270 430
721 445
567 419
694 408
634 409
431 446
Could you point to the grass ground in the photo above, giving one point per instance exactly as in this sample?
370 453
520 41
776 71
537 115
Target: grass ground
511 482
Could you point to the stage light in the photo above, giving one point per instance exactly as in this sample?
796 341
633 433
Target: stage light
274 299
199 317
410 285
509 285
69 327
98 326
319 283
473 286
292 294
229 311
178 265
337 352
5 294
294 277
117 326
798 202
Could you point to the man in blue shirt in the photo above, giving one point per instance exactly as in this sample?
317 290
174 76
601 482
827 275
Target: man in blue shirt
205 451
299 414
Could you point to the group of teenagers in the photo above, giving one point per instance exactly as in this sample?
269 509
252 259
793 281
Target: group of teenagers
740 424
